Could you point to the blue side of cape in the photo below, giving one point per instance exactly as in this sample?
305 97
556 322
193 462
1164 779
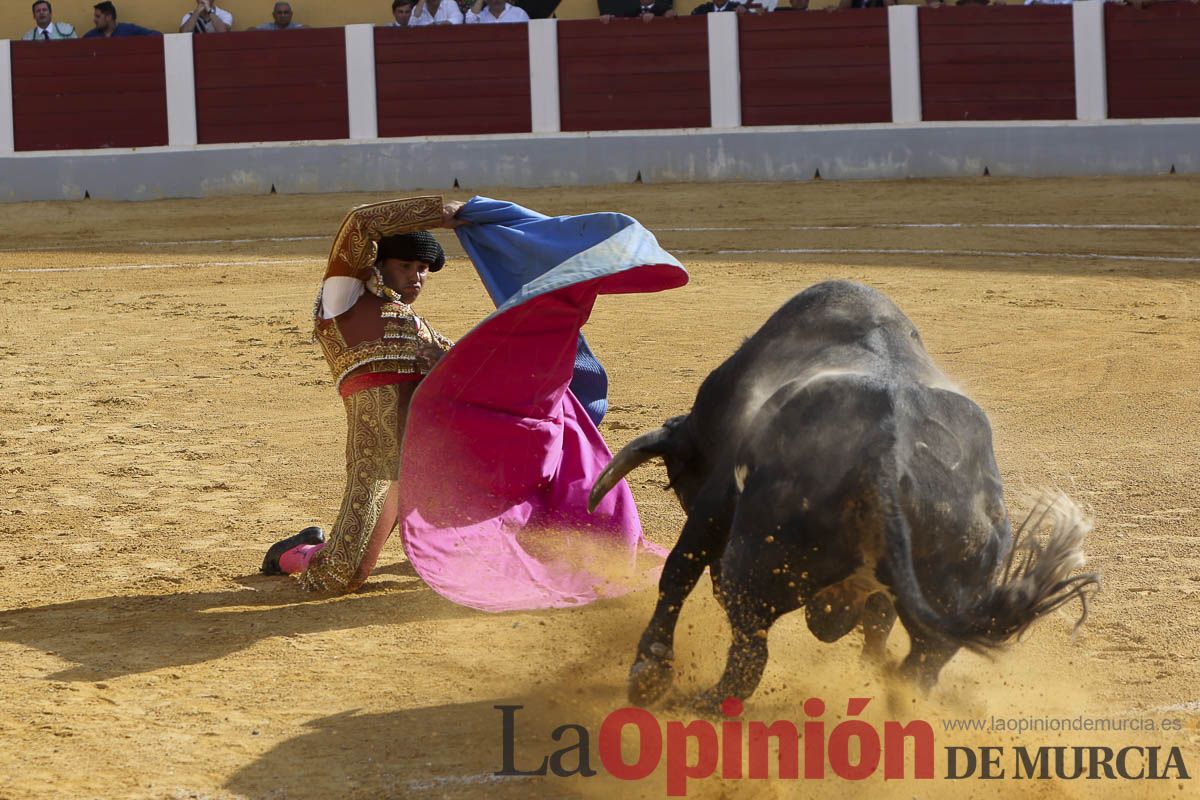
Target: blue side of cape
511 246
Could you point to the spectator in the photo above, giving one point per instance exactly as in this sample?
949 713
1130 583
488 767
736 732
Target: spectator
206 18
281 15
646 9
47 29
104 17
435 12
495 11
865 4
794 5
402 11
714 6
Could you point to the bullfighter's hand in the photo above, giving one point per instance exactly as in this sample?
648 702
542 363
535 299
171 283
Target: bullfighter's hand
450 214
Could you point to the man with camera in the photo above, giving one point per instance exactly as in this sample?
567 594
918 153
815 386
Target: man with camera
206 18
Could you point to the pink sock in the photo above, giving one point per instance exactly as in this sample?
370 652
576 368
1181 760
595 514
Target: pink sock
296 559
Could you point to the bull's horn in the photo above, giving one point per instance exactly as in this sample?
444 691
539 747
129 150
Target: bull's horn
632 455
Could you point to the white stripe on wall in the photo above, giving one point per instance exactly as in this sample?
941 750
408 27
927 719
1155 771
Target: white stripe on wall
1091 74
360 82
724 71
543 76
180 66
904 55
6 99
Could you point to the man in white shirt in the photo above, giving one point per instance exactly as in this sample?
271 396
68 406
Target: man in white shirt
206 18
436 12
495 11
47 29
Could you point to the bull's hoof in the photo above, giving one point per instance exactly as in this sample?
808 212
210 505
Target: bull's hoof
651 676
310 535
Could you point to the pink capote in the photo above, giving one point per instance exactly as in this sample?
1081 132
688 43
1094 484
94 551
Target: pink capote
498 459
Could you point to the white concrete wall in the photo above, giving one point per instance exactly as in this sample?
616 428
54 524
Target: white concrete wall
883 151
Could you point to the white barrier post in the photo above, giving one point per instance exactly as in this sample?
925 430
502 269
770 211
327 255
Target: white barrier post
1091 69
7 142
724 71
360 82
180 66
545 114
904 56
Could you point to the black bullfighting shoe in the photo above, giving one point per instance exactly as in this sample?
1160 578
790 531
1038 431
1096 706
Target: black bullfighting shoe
310 535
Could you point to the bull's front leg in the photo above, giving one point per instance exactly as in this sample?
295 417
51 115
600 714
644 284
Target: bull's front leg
700 544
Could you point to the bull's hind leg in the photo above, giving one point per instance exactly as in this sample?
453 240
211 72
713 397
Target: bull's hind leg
879 615
700 543
926 657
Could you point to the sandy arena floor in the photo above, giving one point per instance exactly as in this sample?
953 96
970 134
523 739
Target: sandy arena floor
164 417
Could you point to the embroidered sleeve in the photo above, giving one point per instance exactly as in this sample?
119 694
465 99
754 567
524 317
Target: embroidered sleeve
355 246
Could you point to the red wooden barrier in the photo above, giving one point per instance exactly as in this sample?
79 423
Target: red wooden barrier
453 79
815 69
89 93
997 62
631 75
271 86
1153 60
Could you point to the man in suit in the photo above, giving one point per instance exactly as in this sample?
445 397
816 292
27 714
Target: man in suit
47 29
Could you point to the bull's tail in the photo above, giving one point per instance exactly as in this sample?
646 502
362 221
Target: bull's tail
1037 578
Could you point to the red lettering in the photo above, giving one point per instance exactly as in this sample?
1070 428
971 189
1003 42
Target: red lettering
789 749
894 734
649 743
678 768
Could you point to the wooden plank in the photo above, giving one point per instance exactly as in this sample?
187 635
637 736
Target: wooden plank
756 23
126 64
276 113
631 73
684 25
461 91
444 54
832 114
65 51
277 76
777 80
951 111
619 49
84 105
271 40
329 58
1154 50
809 59
993 16
653 101
1153 108
987 92
478 73
73 86
679 82
834 38
1013 35
815 94
225 134
995 54
618 121
458 126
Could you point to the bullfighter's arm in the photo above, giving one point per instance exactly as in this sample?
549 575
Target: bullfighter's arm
356 244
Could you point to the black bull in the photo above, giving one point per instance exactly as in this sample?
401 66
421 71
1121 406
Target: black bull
830 464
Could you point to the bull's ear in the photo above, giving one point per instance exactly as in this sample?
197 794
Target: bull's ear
658 442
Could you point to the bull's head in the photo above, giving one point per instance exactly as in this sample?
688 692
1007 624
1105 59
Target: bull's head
673 443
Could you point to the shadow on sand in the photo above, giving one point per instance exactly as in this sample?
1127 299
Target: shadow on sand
107 637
